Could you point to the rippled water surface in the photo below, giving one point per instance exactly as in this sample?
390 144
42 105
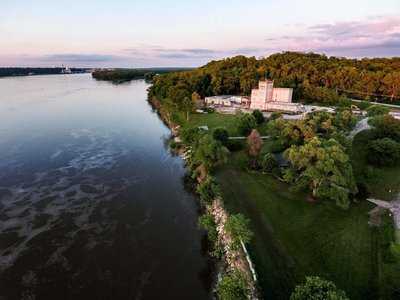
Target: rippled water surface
92 204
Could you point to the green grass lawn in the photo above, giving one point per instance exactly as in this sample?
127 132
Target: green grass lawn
214 120
295 238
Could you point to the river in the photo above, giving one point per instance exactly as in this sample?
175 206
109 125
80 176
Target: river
92 203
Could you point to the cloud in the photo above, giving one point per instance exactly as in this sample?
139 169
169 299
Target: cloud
190 53
377 36
79 58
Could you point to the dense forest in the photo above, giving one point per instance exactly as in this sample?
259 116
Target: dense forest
121 75
314 78
5 72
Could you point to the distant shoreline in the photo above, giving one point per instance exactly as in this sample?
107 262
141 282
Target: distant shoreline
18 72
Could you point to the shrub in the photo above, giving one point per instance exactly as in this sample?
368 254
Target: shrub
208 190
190 134
258 115
207 223
383 152
238 227
268 163
221 134
246 123
377 110
232 286
316 288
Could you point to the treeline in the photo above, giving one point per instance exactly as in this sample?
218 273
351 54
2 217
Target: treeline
314 78
5 72
121 75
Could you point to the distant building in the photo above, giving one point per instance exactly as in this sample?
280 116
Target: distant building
268 98
225 100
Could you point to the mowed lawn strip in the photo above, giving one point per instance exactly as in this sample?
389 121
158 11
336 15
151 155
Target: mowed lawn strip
295 238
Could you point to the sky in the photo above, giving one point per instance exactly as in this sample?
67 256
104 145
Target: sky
139 33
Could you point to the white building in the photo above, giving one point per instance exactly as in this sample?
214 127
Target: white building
268 98
224 100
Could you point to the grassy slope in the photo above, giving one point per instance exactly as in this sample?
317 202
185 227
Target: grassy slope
214 120
295 238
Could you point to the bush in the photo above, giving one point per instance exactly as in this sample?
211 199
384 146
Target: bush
221 134
190 134
246 124
275 115
384 152
363 105
235 145
208 190
377 110
207 223
232 287
268 163
316 288
258 115
238 227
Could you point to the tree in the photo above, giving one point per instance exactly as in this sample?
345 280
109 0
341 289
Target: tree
238 227
196 100
209 152
254 146
232 286
208 190
316 288
258 115
188 106
324 167
190 135
377 110
246 123
386 126
221 134
384 152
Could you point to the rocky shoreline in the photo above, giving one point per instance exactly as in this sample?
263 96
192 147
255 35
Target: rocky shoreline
232 259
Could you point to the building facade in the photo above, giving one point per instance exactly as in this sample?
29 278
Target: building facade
268 98
224 100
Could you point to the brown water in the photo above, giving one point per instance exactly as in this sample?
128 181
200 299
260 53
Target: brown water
92 204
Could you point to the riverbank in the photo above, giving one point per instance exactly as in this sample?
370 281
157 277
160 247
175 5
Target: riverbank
234 259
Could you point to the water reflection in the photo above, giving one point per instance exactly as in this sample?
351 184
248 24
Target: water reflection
92 204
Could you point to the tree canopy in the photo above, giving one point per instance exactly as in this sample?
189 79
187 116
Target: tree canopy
316 288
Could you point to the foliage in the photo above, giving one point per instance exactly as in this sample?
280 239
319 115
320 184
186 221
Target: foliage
323 167
254 143
258 115
209 152
254 146
384 152
377 110
386 126
131 74
316 288
313 77
238 227
208 190
221 134
207 222
246 122
190 135
268 163
232 286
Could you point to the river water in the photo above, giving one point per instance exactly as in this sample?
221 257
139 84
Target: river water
92 204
